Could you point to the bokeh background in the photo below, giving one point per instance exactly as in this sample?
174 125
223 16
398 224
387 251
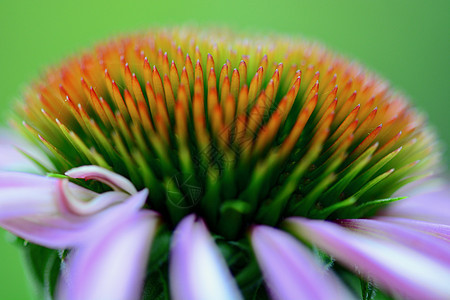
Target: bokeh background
405 41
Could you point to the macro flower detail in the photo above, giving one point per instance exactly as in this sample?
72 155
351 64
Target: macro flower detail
389 265
58 214
188 164
113 264
197 270
55 212
278 253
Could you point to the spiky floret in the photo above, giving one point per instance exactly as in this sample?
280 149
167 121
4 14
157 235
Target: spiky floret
238 130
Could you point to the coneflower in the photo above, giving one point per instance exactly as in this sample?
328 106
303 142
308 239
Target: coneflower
258 162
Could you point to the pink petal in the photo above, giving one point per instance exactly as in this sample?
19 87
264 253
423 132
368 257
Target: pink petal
114 180
80 202
23 194
426 243
66 231
396 268
431 207
11 159
197 269
20 180
54 212
441 231
290 270
113 263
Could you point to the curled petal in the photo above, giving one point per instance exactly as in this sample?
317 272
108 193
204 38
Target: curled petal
56 213
112 264
197 269
431 207
397 268
23 194
114 180
65 231
86 202
290 270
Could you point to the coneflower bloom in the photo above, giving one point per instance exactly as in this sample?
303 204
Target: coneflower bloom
189 164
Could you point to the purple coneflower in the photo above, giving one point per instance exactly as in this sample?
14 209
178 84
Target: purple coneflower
206 165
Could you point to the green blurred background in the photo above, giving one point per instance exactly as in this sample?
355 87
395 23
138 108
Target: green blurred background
407 42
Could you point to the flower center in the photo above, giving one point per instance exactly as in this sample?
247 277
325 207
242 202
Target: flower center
240 131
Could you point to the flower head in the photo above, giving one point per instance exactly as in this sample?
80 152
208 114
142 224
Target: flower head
243 138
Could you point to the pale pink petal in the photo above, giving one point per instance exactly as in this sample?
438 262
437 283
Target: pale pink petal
431 207
114 180
23 194
394 267
426 243
54 212
290 270
111 264
197 269
21 179
84 203
11 159
441 231
60 231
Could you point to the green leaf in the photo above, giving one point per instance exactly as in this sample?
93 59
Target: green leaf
156 286
231 217
368 291
45 265
261 293
326 260
51 277
160 249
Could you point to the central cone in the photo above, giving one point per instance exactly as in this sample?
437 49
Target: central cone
238 130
